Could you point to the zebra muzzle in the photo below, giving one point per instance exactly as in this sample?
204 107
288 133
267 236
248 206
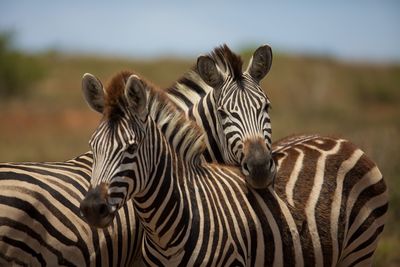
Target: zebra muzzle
95 209
258 165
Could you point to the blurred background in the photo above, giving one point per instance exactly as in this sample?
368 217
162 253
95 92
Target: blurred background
336 70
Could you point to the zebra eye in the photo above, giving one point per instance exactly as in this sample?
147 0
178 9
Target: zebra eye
131 148
223 114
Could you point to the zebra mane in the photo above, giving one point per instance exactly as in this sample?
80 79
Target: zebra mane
177 129
227 61
190 88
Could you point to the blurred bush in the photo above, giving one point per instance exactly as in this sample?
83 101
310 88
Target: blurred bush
18 71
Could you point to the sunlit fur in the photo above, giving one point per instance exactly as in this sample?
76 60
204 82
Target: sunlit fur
238 113
328 209
40 222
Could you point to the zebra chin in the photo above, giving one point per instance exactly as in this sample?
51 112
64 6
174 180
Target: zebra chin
95 210
261 178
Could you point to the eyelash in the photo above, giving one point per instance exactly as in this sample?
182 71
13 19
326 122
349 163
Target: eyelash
131 148
223 114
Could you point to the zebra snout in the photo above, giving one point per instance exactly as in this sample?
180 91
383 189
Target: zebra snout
95 209
258 165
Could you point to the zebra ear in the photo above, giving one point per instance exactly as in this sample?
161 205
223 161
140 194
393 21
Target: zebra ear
93 92
135 93
260 63
209 72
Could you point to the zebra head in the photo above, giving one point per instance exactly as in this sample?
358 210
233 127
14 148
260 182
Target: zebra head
114 143
242 111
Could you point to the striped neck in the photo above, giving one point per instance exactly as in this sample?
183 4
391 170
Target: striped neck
158 167
184 135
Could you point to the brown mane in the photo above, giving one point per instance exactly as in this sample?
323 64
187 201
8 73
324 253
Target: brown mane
114 96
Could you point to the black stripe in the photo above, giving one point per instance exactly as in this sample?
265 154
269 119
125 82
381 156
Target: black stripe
110 247
119 239
96 246
208 131
182 97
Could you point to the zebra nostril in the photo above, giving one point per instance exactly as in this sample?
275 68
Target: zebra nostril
246 169
103 210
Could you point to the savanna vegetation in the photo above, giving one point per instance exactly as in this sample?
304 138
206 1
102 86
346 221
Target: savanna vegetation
43 116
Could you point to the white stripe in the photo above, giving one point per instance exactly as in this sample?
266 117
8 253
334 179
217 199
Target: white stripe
365 211
294 176
337 201
298 252
312 201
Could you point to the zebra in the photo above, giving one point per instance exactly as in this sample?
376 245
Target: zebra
41 225
233 110
47 179
329 206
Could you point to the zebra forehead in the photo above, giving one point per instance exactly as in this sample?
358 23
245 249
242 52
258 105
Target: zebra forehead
245 87
242 98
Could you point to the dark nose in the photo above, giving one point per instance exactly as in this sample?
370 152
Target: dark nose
95 209
258 163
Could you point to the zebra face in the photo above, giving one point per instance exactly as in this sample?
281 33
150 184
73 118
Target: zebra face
244 119
114 148
242 113
114 145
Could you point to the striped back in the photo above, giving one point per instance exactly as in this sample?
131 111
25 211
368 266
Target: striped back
40 222
231 107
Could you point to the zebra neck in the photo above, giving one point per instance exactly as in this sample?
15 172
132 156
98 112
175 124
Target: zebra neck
184 135
162 193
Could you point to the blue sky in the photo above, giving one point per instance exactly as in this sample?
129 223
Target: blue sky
351 30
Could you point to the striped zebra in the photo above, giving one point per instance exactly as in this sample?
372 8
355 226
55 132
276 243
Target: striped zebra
40 222
48 178
328 209
232 108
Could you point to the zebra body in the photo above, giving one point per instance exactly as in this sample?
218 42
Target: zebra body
328 211
41 225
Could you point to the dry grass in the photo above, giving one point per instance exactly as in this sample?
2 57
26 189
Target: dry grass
308 95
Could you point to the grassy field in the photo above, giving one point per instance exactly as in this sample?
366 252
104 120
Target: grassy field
309 95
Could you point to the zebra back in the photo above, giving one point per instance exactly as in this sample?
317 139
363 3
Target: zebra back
339 194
